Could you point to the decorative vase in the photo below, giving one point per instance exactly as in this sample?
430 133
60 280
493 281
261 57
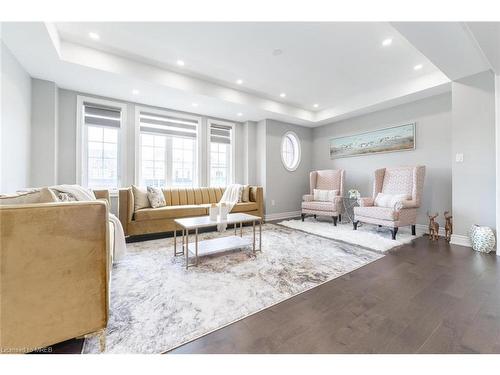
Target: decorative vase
213 211
482 238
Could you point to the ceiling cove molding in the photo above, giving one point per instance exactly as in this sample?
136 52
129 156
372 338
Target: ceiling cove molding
95 59
450 46
76 67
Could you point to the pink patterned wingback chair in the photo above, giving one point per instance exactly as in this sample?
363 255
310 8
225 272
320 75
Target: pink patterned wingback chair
330 179
400 180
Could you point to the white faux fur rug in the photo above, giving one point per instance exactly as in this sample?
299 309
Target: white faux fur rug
156 304
367 235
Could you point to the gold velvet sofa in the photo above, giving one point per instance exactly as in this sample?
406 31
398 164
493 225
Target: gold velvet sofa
54 260
181 202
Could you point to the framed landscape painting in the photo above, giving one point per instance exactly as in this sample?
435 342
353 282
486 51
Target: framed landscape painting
397 138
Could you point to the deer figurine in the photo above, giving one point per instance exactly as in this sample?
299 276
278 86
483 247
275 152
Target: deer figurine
433 226
448 227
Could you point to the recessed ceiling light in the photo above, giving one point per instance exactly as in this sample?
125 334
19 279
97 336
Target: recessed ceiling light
180 62
135 92
387 42
93 35
239 81
277 52
282 94
239 114
315 105
194 104
417 67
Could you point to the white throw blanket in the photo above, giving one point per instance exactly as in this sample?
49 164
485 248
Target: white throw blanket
230 197
82 194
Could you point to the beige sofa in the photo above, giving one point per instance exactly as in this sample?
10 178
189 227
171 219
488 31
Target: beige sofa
55 263
181 202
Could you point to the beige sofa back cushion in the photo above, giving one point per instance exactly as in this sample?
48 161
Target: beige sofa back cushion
141 199
43 195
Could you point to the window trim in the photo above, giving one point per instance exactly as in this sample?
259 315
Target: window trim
299 152
80 139
232 169
163 112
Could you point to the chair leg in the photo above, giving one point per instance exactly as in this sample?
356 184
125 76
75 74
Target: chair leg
315 216
335 220
340 217
394 231
302 216
413 230
355 225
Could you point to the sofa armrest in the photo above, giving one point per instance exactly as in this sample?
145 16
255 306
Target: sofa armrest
125 207
102 194
307 198
365 202
257 196
54 260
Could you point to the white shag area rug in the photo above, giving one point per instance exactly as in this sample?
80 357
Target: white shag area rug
157 305
369 236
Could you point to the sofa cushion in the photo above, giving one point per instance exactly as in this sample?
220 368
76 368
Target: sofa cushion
382 213
170 212
319 206
245 195
140 198
324 195
244 207
156 197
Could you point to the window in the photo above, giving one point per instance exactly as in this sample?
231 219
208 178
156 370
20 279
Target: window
221 153
168 145
290 151
98 146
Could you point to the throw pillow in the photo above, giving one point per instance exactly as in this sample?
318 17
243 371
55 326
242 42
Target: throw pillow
245 196
156 197
394 201
140 197
324 195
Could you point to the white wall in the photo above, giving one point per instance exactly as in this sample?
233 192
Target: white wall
250 152
44 123
497 142
433 149
473 103
15 124
282 186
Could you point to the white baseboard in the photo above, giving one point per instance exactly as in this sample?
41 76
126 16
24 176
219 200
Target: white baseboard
457 239
282 215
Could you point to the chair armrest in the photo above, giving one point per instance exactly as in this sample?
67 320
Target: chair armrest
307 198
365 202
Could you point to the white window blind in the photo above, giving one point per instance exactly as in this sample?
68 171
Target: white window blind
168 150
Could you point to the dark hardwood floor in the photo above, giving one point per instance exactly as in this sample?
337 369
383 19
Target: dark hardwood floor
428 297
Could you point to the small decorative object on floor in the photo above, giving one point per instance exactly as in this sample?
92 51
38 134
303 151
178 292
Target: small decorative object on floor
448 227
433 227
482 238
353 193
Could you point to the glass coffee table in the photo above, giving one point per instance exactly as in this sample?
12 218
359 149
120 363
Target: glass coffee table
215 245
